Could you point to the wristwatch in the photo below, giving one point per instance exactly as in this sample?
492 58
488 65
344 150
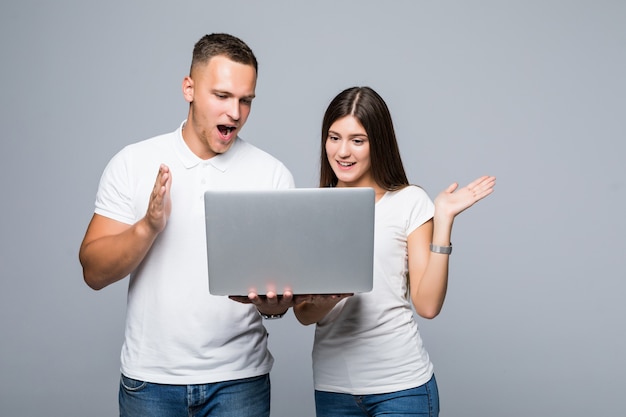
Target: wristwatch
272 316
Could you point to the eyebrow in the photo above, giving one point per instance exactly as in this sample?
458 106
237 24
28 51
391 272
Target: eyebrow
228 93
354 135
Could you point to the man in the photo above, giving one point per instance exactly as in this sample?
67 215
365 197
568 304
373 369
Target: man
185 351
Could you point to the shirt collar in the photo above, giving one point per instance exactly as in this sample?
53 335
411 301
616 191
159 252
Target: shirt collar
190 159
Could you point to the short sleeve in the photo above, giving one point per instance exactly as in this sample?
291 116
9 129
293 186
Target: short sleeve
113 199
422 207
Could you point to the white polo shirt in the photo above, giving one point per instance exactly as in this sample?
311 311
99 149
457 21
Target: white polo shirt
176 332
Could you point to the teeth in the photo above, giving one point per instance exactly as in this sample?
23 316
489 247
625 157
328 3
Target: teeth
346 164
226 130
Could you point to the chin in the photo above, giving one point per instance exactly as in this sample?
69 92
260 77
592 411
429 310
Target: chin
222 147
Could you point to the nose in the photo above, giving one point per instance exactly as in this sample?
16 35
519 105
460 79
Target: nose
234 111
344 149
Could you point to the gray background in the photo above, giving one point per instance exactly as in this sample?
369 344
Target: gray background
530 91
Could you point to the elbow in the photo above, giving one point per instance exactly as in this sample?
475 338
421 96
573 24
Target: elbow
92 282
428 307
94 286
92 277
428 313
97 280
89 277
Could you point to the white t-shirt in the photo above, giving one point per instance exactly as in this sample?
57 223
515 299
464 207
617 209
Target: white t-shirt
369 343
176 332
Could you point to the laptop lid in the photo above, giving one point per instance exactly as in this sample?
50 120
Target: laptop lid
306 240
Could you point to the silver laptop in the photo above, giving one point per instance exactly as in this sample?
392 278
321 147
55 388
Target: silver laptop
306 240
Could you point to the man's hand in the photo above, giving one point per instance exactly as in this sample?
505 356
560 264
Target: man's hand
270 304
160 204
111 250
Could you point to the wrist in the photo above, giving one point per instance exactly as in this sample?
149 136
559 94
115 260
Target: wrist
267 316
443 221
445 250
145 229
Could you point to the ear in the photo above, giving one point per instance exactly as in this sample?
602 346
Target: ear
188 89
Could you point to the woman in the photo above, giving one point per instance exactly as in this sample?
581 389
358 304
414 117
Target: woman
368 356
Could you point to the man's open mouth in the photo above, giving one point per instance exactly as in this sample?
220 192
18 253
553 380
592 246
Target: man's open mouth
226 130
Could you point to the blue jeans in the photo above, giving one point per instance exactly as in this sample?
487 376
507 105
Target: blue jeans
420 401
249 397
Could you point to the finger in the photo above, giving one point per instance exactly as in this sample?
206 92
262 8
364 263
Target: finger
254 298
484 182
452 187
477 181
272 298
166 177
160 185
486 185
240 299
483 194
162 175
480 187
287 298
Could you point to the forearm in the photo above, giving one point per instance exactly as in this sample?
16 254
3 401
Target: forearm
110 258
431 278
429 296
